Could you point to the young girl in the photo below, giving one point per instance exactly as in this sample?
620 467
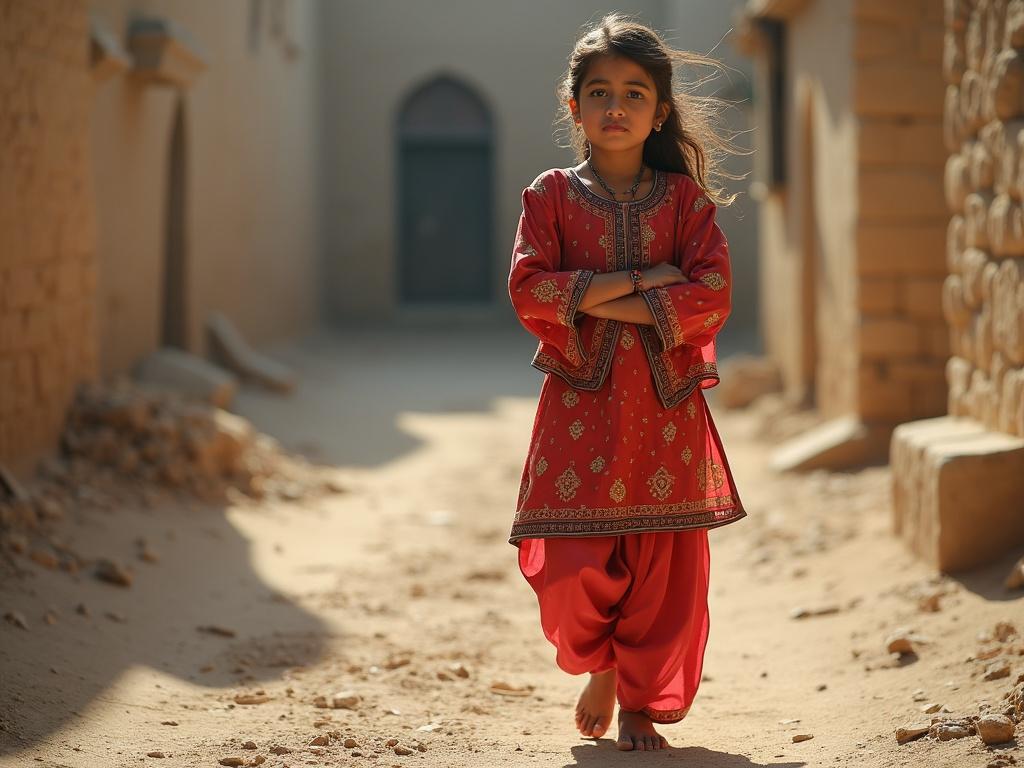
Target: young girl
621 272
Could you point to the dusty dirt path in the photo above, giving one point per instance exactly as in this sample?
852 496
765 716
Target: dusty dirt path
404 591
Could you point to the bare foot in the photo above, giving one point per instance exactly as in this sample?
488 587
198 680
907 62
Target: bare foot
597 704
636 731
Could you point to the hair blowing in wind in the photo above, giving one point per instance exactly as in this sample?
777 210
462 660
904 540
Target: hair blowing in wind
693 139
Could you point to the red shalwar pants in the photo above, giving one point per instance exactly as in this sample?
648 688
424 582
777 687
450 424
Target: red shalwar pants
637 602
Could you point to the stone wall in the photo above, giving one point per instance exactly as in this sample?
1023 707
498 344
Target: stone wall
47 238
902 217
983 296
958 488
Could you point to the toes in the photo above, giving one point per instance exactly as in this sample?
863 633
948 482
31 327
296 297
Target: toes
599 728
624 744
664 741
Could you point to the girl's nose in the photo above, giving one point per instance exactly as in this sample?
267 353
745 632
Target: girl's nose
614 108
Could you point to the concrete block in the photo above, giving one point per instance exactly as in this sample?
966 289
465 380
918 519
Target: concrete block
958 491
229 346
922 298
838 444
898 88
176 371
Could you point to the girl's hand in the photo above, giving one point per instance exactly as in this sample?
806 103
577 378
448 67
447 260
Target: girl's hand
663 274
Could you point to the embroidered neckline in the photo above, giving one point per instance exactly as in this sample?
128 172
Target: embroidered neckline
656 192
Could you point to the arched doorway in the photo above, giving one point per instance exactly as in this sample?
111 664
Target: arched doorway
444 208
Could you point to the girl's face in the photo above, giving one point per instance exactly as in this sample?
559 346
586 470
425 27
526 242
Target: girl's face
618 104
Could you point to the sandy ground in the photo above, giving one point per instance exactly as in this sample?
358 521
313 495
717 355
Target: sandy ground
405 591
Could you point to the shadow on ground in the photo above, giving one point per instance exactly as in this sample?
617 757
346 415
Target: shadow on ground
603 754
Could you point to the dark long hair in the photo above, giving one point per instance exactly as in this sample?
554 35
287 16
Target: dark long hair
692 139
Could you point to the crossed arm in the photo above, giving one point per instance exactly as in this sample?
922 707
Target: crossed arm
610 295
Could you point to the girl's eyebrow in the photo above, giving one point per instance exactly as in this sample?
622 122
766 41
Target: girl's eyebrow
597 81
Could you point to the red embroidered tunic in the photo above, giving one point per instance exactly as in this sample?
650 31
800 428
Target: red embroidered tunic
623 440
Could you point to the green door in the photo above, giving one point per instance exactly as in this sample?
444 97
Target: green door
445 223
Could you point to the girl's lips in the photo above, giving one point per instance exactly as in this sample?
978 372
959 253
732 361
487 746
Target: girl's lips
613 128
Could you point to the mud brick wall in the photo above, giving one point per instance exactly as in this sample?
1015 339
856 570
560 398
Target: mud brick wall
47 252
983 296
902 217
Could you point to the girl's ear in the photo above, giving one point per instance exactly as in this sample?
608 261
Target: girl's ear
574 109
662 113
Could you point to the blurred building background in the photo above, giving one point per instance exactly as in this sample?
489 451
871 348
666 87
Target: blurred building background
282 162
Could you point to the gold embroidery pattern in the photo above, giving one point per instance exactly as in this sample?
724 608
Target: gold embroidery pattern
691 410
713 280
570 398
665 316
538 186
627 340
525 248
669 432
524 490
646 233
686 455
576 429
699 203
711 319
660 483
666 716
597 464
618 490
568 483
546 291
631 518
710 474
590 373
542 466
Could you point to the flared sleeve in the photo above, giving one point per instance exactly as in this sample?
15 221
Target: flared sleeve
544 296
693 312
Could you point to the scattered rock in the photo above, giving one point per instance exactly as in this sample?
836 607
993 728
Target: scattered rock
258 760
44 558
350 743
279 750
1003 631
82 610
1015 578
946 730
988 653
400 750
910 732
345 700
821 610
458 670
995 729
505 689
246 699
899 642
154 754
997 670
249 745
931 709
797 738
231 761
169 722
115 616
15 618
322 740
213 629
112 573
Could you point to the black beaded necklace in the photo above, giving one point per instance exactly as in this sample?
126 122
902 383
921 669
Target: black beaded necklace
631 191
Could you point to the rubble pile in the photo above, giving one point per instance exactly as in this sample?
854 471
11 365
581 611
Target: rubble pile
123 444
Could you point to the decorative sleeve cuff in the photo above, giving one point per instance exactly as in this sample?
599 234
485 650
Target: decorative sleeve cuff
568 310
666 321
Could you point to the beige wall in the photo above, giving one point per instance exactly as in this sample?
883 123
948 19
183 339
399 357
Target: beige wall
807 224
252 169
47 240
852 241
902 217
377 53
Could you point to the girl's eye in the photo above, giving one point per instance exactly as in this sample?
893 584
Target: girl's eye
636 93
597 92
